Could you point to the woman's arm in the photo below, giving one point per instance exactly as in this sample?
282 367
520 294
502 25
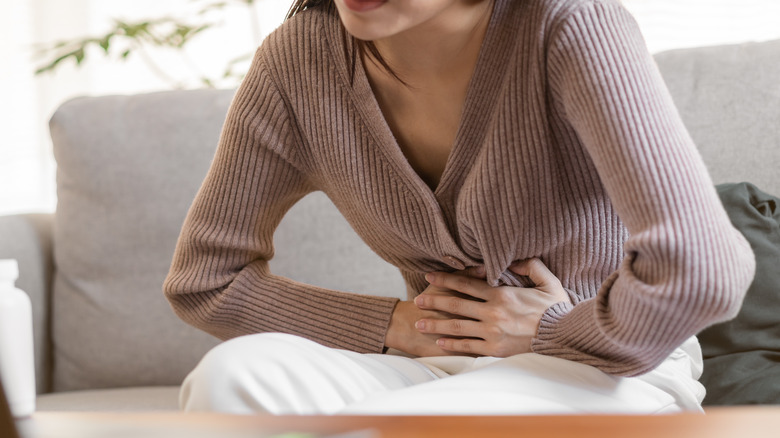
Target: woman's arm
219 280
685 267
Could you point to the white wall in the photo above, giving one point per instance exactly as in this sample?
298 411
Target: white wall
669 24
26 103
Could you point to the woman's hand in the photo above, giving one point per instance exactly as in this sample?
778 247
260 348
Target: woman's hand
501 322
402 334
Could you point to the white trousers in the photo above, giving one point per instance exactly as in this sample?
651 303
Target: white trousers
284 374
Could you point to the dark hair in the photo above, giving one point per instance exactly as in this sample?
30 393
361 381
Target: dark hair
363 47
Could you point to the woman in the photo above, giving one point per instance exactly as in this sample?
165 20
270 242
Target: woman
520 162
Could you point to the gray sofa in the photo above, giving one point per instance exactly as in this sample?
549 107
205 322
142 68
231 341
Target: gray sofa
129 166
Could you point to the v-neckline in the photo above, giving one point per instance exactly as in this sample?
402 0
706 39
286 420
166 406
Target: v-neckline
481 94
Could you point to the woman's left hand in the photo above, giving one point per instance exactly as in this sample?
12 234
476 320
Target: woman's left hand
502 320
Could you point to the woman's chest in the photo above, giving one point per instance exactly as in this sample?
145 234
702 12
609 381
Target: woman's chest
424 122
509 198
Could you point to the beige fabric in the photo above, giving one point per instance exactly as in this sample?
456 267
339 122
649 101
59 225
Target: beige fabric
163 398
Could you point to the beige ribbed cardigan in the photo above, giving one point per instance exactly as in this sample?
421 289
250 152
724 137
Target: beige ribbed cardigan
569 149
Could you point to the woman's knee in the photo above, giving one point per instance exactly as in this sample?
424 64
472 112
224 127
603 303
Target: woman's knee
226 373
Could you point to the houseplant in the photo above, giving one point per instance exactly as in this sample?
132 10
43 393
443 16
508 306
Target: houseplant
143 38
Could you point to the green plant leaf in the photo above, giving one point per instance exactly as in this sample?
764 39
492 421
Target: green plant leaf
126 37
79 55
105 42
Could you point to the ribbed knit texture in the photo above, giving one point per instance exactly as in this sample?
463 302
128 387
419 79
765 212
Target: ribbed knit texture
569 149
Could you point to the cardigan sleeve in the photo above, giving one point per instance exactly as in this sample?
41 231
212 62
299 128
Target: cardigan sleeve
685 266
219 279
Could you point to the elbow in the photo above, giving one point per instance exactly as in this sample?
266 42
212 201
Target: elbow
728 277
710 284
199 309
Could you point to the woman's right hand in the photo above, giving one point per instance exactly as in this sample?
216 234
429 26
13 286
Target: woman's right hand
402 334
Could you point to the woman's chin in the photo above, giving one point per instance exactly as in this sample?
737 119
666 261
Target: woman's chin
366 24
365 34
365 30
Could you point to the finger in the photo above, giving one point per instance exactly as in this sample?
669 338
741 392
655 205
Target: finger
475 272
451 327
536 270
459 283
468 346
450 304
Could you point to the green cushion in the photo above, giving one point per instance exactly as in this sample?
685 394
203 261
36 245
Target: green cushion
742 356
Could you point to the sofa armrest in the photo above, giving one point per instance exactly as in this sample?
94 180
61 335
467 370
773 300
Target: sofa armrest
28 239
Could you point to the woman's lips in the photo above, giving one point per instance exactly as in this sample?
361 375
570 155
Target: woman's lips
363 5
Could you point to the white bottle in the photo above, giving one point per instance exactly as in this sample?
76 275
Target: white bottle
17 367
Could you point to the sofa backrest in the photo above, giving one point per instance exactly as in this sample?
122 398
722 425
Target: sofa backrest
129 167
729 99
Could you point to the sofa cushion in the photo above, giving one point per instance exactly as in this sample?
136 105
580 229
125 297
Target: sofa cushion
729 99
128 170
147 399
742 356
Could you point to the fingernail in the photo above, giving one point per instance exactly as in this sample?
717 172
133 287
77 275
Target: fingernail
419 300
480 270
429 277
440 342
420 325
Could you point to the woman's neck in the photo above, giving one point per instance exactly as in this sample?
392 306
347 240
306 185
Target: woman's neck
441 47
